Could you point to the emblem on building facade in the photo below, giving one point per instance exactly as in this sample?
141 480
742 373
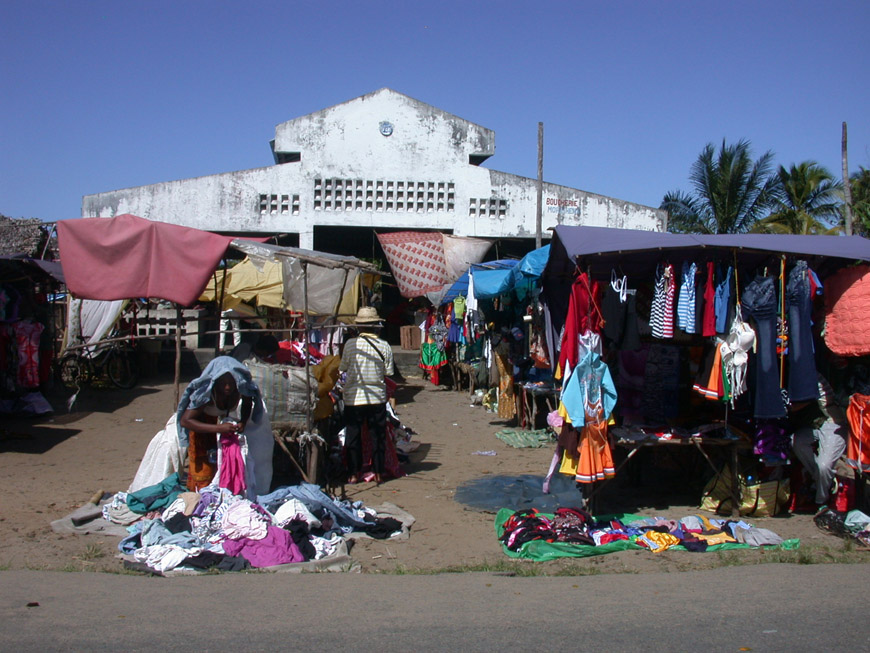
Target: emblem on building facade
386 128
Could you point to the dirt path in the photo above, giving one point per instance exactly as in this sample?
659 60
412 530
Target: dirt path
49 467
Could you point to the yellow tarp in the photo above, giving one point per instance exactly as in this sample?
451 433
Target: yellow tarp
349 303
245 283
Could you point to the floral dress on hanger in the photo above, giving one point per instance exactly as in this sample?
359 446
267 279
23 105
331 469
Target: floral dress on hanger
588 400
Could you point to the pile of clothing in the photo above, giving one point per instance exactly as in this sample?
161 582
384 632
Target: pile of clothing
636 434
853 523
542 536
171 528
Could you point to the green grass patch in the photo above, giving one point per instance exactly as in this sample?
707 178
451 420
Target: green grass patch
92 552
523 569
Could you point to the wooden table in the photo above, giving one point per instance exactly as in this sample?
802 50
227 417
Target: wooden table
528 399
699 442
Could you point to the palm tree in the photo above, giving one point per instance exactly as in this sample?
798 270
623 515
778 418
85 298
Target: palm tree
805 201
860 182
731 192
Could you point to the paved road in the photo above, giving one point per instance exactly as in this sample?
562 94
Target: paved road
758 608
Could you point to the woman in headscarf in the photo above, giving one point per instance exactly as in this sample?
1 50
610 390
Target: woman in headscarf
225 389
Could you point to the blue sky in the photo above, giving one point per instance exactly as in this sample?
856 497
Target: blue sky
105 95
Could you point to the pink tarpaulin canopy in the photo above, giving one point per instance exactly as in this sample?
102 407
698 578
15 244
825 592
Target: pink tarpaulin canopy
128 256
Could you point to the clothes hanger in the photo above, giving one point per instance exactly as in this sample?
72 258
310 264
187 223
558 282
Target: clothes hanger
619 285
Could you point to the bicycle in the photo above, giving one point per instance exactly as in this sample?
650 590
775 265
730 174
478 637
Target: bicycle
114 359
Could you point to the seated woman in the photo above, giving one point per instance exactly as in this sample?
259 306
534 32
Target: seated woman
223 390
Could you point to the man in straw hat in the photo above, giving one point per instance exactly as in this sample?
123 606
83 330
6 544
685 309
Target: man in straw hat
367 360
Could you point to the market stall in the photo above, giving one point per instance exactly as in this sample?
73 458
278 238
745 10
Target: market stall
28 328
682 338
222 514
496 324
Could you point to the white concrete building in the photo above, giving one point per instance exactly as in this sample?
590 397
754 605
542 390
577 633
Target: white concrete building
382 161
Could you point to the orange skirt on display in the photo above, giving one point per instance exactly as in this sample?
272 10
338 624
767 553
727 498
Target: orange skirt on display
596 459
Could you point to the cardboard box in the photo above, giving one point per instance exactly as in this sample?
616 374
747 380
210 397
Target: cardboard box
410 337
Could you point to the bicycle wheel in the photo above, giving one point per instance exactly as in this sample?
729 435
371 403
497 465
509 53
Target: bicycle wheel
121 368
73 370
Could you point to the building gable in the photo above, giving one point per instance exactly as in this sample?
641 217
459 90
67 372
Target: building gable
383 128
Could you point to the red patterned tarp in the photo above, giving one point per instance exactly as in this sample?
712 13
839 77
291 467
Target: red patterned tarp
416 259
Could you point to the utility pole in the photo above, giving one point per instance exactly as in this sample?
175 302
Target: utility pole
539 211
847 187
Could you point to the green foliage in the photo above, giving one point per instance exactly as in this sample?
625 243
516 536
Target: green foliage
731 192
860 185
805 200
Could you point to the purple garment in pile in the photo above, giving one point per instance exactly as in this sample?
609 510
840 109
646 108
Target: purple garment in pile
277 548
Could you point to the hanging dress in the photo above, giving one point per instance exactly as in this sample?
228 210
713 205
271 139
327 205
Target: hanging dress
686 299
588 399
432 352
802 385
506 403
583 315
722 300
613 308
657 311
27 334
670 292
759 302
596 458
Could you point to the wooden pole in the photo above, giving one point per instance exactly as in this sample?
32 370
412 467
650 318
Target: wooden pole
177 355
540 208
308 415
341 294
847 186
219 343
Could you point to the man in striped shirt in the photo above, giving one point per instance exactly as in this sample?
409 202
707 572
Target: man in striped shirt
367 360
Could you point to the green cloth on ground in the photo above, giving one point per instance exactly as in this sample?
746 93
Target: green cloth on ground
156 497
520 438
541 550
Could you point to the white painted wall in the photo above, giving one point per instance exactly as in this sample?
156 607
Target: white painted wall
345 142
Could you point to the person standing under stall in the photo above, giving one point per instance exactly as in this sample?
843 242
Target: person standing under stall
821 430
367 360
230 329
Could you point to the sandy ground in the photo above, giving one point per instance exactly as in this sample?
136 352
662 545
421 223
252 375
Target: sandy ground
52 465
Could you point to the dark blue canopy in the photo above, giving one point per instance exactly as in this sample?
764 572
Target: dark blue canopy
634 251
51 268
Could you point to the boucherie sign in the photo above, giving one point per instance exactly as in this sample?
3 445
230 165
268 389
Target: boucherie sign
559 205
